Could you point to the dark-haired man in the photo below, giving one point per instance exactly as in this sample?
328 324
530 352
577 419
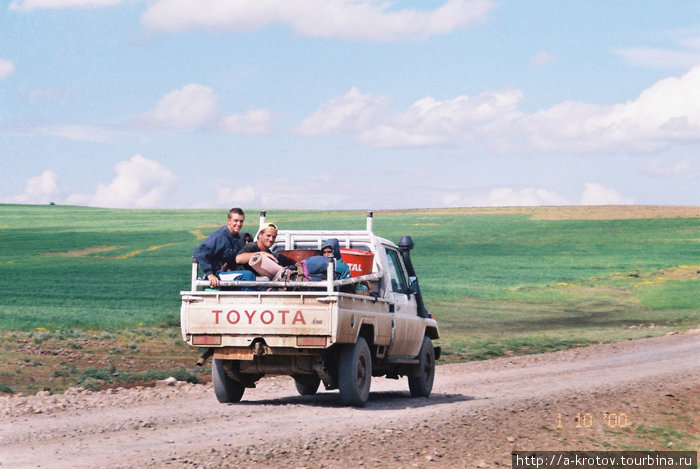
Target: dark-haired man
218 252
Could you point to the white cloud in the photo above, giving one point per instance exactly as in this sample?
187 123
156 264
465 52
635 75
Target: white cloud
593 194
140 183
7 68
432 122
660 59
321 191
596 194
235 196
353 111
193 105
27 5
665 113
656 167
38 190
427 122
253 122
505 197
682 55
542 59
372 20
196 106
317 195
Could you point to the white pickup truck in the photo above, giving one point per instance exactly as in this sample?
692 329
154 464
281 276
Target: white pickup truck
334 331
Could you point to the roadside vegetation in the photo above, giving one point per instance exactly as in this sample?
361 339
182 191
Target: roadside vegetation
90 297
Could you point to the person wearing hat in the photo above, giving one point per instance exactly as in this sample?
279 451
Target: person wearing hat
265 239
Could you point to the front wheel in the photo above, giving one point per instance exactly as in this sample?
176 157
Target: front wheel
421 382
355 373
227 390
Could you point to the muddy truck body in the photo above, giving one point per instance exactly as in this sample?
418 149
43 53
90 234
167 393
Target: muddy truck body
337 332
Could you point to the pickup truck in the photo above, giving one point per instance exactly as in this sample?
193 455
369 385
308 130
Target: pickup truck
339 332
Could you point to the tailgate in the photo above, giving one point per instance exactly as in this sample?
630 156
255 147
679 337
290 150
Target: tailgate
242 317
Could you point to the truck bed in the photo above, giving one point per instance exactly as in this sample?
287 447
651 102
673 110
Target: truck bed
281 314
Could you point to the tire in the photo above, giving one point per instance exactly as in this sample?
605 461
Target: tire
421 384
307 385
355 373
227 390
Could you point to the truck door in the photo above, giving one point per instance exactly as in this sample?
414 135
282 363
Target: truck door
408 333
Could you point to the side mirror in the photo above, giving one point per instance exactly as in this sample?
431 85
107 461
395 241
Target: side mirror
413 285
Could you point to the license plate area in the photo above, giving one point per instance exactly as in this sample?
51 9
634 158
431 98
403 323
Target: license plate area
234 353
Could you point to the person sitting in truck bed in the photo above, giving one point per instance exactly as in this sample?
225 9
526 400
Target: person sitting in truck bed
331 248
217 253
266 238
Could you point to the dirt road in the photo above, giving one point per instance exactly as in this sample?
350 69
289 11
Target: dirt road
610 396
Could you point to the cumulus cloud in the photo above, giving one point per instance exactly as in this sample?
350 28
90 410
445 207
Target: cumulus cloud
193 105
38 190
139 183
196 106
433 122
353 111
427 122
593 194
235 196
505 197
27 5
597 194
665 113
656 167
660 59
7 68
372 20
253 122
322 191
682 55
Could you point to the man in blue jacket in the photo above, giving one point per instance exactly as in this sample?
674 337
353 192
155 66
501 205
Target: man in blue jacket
218 252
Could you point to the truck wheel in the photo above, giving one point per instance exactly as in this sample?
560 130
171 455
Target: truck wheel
227 390
307 385
421 384
355 373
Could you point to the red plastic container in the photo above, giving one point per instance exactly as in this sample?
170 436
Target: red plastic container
360 262
298 255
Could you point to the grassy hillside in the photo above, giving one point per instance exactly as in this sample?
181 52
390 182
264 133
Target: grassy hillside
499 281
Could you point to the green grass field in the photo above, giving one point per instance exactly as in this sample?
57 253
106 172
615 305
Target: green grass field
498 281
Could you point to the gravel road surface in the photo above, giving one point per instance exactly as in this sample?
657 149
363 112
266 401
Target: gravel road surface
594 398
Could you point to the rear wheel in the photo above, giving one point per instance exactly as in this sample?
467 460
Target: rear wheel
355 373
307 385
227 390
421 383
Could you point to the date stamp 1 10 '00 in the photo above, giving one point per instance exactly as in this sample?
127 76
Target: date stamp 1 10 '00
583 420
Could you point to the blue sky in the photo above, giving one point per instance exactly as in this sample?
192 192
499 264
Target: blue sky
349 104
